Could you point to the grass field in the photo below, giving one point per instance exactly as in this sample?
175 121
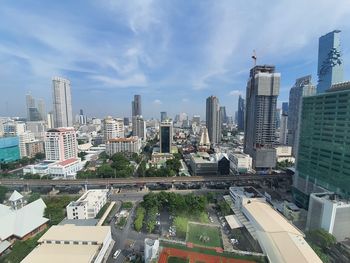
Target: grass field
177 260
204 235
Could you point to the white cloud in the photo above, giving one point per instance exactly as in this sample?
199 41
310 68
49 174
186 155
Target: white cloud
157 102
235 92
184 100
137 80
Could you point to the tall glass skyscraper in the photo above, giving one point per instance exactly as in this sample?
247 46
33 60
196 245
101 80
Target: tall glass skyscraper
240 113
136 106
323 160
330 62
166 136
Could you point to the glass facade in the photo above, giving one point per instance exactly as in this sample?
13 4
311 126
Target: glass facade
9 149
330 63
324 145
165 140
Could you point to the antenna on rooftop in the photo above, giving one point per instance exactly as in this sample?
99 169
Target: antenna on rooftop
254 57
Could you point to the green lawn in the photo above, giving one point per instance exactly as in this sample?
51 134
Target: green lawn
177 260
204 235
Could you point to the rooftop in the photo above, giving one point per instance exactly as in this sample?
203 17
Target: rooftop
21 221
15 196
76 233
247 191
57 253
91 197
61 129
281 241
68 161
130 139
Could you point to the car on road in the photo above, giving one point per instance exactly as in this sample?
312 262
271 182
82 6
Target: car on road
116 254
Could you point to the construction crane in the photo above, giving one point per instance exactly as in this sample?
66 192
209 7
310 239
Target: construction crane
254 57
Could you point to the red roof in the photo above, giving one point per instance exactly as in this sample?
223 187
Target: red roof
68 161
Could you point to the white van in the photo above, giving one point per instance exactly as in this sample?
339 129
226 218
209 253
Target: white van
116 254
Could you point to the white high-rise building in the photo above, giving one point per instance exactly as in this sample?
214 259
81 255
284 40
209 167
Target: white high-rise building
61 144
113 128
25 138
62 104
328 211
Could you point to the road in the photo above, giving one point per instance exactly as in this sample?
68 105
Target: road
138 181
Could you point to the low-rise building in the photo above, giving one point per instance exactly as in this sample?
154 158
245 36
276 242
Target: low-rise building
88 205
126 145
280 240
66 169
291 211
70 243
284 153
202 163
240 162
19 221
34 147
328 211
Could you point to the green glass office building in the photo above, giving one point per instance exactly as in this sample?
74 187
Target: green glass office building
323 160
9 149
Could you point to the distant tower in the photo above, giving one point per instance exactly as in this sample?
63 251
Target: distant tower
213 119
284 124
136 106
62 103
41 109
240 113
163 116
166 136
303 87
330 61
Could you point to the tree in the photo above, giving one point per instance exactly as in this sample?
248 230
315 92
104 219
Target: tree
33 197
82 155
40 156
321 238
105 171
141 170
3 191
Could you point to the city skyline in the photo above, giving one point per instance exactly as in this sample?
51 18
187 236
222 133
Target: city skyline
157 52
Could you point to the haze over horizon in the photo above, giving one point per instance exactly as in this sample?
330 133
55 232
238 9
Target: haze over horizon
174 54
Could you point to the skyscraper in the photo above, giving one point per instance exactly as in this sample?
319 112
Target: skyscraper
33 113
136 106
223 116
284 124
240 113
323 159
303 87
213 119
41 109
166 136
330 62
163 116
62 104
139 127
261 100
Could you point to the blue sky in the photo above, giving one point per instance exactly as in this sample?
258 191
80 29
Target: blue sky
173 53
